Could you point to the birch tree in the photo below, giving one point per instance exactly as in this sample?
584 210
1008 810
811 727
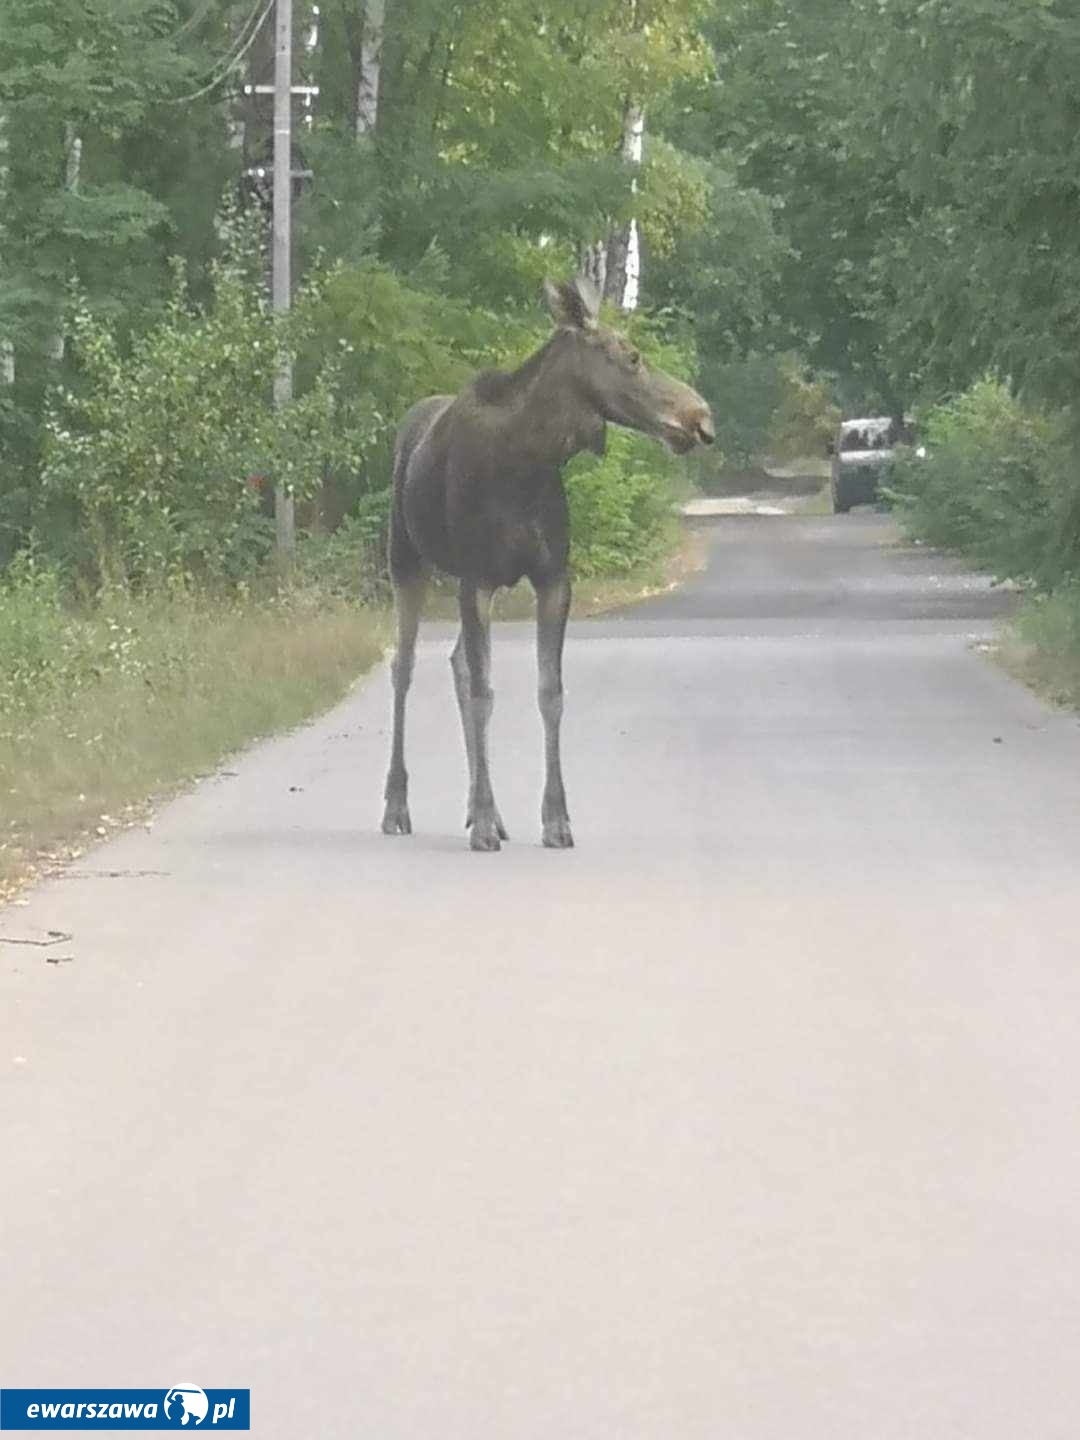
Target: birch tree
369 67
622 270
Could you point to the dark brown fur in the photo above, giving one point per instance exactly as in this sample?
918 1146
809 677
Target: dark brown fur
478 494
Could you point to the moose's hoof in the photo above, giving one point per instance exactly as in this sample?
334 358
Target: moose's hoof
504 834
485 835
396 818
557 834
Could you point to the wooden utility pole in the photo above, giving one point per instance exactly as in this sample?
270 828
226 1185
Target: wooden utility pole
7 348
282 252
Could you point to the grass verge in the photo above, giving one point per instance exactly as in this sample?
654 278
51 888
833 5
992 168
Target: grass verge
153 694
1042 646
105 712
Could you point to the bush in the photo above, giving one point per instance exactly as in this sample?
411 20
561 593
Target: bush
53 653
390 340
768 406
620 505
1044 648
41 653
805 418
350 563
160 463
998 483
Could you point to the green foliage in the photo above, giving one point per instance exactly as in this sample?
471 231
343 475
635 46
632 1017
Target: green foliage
805 418
421 247
41 652
620 505
784 120
389 339
1048 628
769 405
157 464
349 563
744 395
998 483
980 132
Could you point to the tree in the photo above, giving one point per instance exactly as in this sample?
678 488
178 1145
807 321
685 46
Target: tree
980 130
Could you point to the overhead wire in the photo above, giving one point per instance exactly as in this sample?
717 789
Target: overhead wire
230 60
193 21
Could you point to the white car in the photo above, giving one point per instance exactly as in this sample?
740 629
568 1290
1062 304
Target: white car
862 455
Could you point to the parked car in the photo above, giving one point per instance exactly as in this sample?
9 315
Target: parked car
862 455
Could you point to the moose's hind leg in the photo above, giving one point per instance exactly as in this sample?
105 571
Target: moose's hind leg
460 667
408 602
476 634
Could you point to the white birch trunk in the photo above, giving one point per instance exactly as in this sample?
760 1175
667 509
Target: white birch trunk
367 85
311 45
72 171
633 247
623 253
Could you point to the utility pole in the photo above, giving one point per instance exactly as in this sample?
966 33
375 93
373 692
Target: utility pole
282 253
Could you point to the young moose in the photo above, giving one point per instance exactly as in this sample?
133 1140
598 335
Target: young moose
478 493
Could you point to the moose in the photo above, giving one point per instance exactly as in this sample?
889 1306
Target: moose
478 495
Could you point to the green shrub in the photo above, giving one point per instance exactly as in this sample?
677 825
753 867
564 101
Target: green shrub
390 340
52 652
805 418
160 463
350 562
620 505
744 396
1048 653
38 646
998 482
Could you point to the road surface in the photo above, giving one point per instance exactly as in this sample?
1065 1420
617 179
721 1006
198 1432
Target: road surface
755 1117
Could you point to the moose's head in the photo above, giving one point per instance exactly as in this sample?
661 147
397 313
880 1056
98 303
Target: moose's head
614 378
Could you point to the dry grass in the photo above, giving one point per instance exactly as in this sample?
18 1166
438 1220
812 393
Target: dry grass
161 691
209 679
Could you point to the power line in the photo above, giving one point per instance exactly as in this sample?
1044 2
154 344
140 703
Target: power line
229 61
193 21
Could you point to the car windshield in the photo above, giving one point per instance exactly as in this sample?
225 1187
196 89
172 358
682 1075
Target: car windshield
875 434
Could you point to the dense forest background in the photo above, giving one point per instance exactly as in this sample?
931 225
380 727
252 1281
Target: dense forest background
866 203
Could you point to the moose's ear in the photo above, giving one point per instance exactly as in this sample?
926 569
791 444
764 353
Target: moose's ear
575 303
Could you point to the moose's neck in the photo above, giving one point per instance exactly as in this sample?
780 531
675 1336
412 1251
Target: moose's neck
550 415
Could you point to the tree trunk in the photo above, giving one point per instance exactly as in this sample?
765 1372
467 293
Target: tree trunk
623 256
367 83
594 263
72 171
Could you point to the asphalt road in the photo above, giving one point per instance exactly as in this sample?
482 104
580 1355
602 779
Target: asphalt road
755 1117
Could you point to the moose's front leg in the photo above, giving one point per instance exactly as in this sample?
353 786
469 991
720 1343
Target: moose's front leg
475 604
552 608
